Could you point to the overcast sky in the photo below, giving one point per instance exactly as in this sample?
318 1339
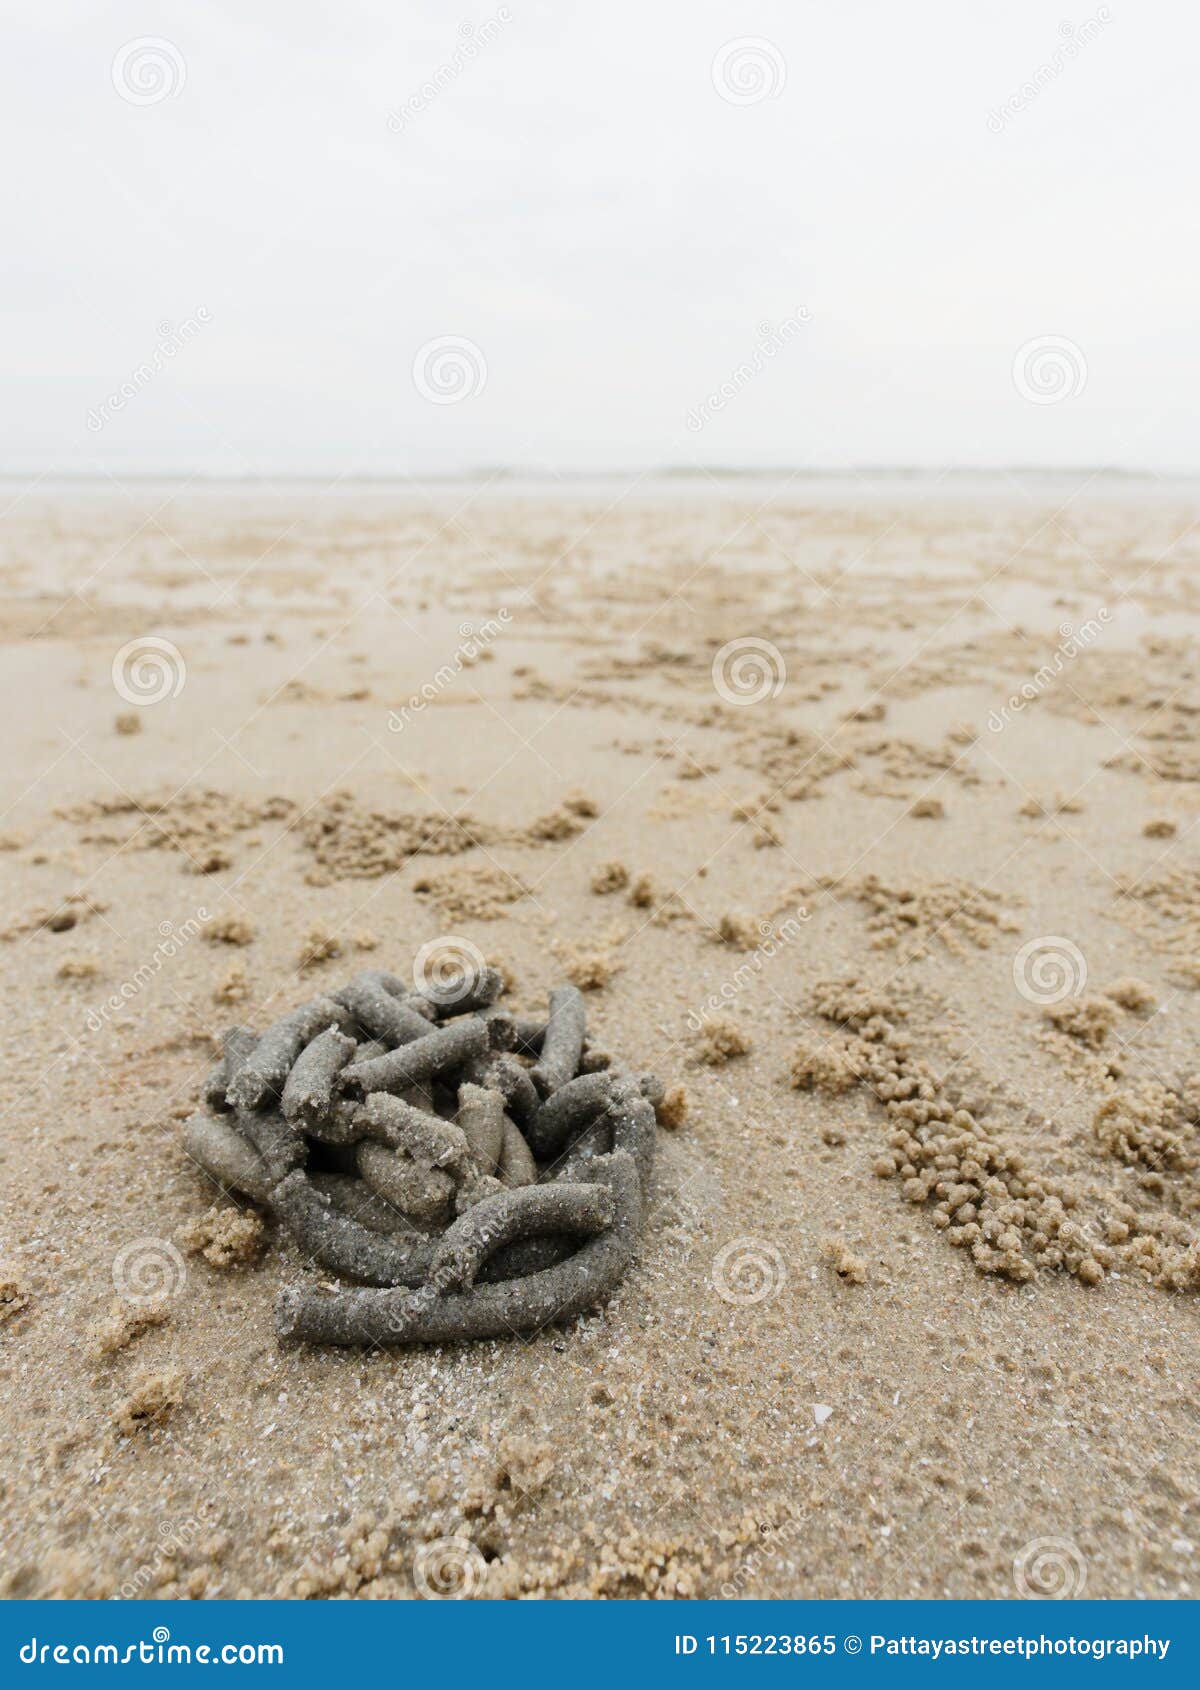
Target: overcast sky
233 230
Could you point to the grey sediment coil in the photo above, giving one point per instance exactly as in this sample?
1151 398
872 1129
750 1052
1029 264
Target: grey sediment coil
471 1173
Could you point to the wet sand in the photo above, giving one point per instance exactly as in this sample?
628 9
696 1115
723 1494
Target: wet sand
899 773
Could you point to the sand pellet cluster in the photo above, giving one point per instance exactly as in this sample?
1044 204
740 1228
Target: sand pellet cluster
473 1173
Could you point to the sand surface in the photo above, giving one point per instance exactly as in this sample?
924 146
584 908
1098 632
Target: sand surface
848 1363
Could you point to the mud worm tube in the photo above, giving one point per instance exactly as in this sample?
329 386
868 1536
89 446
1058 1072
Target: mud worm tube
308 1095
567 1111
517 1166
226 1156
481 1117
344 1246
413 1064
379 1012
562 1044
500 1310
474 988
261 1077
529 1212
466 1171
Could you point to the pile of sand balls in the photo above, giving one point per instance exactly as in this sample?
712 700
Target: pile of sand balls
475 1173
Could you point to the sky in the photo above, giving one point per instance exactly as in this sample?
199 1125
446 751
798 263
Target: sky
275 237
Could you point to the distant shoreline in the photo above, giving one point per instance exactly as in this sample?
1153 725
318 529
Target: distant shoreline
513 476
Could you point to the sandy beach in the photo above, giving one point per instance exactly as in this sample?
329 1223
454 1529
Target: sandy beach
864 810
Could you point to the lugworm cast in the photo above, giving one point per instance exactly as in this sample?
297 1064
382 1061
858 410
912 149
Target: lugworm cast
261 1077
563 1042
413 1064
583 1210
485 1311
470 1173
308 1097
481 1117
